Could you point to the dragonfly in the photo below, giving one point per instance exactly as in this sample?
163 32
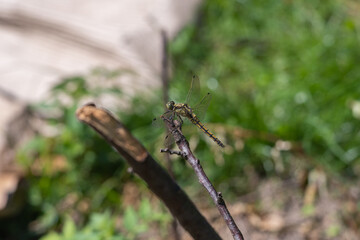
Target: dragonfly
194 114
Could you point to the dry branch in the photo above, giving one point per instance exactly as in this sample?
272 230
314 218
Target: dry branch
157 179
175 129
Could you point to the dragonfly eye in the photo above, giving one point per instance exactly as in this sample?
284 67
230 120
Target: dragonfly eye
170 105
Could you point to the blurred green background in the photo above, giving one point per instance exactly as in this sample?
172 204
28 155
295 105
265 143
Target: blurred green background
278 71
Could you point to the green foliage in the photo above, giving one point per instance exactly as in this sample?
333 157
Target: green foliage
333 231
285 68
74 167
74 172
75 158
137 222
103 225
100 227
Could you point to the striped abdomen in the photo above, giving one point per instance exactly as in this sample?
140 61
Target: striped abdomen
197 122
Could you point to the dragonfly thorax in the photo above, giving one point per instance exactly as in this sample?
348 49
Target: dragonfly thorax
181 109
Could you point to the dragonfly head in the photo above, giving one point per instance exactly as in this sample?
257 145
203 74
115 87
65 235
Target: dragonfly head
170 105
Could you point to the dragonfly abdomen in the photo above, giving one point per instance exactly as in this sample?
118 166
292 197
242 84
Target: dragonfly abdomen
197 122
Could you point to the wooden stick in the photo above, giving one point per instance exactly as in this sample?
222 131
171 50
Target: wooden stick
142 163
175 129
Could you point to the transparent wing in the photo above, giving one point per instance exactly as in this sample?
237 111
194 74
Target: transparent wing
169 140
159 122
194 89
201 108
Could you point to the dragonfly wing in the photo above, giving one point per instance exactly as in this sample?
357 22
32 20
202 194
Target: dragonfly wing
169 140
200 108
158 122
194 88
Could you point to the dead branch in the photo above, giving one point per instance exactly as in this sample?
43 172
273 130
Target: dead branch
175 129
142 163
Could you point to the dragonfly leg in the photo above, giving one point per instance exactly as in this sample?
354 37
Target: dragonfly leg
181 121
170 151
163 115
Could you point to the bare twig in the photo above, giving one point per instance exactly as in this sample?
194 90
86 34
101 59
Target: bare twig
164 67
141 162
165 88
175 129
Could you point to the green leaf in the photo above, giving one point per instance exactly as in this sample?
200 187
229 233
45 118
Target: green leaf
69 229
51 236
132 222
